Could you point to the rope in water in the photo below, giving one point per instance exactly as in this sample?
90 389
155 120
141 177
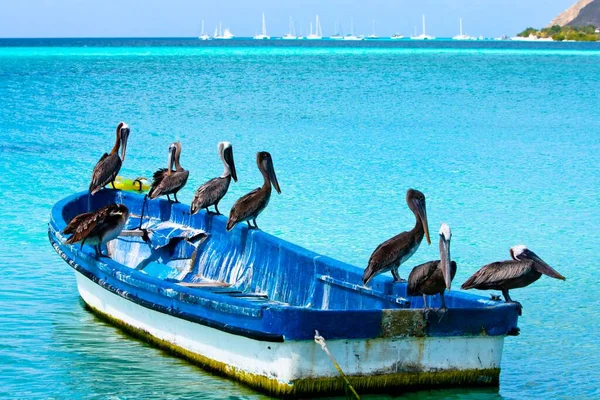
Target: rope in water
320 340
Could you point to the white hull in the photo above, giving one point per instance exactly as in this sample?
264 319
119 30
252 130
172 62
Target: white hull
292 366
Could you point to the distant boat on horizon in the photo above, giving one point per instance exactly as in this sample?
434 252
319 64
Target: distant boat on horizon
318 31
204 35
351 35
222 35
337 35
462 36
373 35
291 35
263 35
424 35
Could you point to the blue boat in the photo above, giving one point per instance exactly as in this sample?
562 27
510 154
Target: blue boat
246 305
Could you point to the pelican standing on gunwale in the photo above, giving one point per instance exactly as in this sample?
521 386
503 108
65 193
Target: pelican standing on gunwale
210 193
524 269
390 254
169 181
97 227
249 206
434 277
108 166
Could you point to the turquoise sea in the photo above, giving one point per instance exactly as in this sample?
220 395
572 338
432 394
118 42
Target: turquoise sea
503 138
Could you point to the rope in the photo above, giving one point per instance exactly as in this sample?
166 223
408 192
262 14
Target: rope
320 340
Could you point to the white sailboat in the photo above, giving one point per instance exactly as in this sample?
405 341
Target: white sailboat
221 35
318 32
373 35
291 35
203 35
263 34
424 35
337 35
351 35
462 36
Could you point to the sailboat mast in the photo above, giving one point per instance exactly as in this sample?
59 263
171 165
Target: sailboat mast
202 33
352 27
318 30
264 25
461 27
423 24
220 28
373 27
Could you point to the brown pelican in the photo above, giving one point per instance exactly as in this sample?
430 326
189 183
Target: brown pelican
434 277
213 191
390 254
168 181
108 167
252 204
97 227
524 269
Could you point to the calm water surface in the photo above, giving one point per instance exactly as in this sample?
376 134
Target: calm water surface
502 138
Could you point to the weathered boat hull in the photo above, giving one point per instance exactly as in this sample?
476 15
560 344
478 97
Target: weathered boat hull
301 367
383 342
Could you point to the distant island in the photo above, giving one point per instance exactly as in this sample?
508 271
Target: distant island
579 23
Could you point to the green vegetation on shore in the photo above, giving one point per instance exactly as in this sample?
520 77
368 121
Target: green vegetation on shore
560 33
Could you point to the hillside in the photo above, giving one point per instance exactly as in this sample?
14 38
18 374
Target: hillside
582 13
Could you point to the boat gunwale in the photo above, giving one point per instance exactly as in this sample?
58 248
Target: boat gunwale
240 306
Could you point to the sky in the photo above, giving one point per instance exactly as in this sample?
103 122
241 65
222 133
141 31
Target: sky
182 18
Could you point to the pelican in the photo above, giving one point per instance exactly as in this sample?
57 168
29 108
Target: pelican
108 167
524 269
213 191
168 181
97 227
434 277
252 204
390 254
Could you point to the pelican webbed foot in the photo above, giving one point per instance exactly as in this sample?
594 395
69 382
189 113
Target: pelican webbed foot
175 195
217 210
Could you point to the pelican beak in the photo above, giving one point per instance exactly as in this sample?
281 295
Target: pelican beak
124 137
271 174
422 211
445 260
273 179
228 155
171 159
542 267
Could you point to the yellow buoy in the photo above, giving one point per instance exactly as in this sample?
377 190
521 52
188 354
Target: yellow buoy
139 185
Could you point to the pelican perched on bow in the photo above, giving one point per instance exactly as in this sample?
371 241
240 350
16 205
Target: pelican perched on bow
97 227
214 190
167 180
108 167
524 269
390 254
249 206
434 277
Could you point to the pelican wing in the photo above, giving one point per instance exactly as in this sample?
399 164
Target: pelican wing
246 206
164 183
492 275
210 193
87 224
388 254
419 275
105 171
